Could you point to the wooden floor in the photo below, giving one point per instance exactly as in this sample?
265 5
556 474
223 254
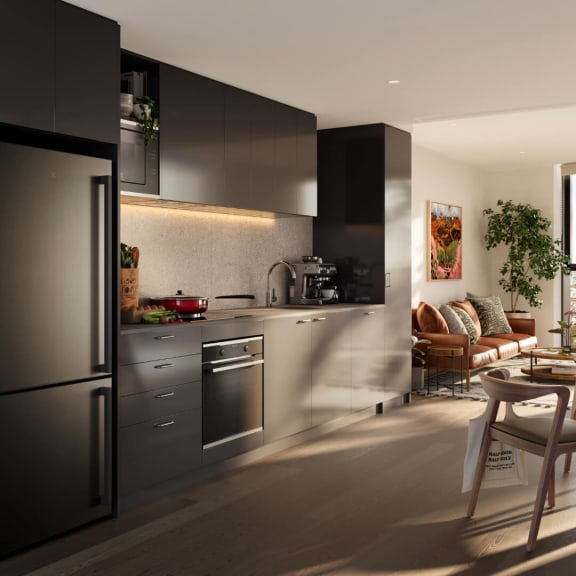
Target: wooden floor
382 496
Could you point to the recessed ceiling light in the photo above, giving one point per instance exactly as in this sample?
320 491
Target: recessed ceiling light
393 81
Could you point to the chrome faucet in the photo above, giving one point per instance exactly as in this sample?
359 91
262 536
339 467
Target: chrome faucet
292 270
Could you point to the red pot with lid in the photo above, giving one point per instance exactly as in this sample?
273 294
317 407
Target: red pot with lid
183 304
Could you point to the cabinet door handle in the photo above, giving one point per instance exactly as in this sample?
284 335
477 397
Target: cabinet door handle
168 365
369 313
164 424
319 319
165 337
303 321
165 395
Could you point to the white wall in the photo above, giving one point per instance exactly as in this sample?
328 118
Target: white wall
435 177
540 187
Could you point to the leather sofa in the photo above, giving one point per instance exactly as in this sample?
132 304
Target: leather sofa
486 350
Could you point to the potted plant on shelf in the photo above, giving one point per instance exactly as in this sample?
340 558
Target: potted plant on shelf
146 114
533 254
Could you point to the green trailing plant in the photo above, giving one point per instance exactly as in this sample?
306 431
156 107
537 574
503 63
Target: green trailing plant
146 114
418 354
533 254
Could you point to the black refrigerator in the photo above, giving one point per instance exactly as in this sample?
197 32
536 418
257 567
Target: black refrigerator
56 374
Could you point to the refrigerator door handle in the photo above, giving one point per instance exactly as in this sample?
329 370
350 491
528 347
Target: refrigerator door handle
105 446
104 363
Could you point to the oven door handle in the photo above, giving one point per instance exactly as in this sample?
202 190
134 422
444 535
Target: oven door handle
234 366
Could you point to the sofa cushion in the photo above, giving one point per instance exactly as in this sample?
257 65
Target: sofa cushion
468 323
455 324
506 348
491 315
482 355
524 341
430 319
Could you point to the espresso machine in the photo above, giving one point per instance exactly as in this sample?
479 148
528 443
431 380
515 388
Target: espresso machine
315 282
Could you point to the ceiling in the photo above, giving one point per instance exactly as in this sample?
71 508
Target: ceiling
488 83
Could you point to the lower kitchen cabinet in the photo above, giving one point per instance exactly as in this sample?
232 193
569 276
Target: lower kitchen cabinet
331 366
287 376
159 407
368 335
157 450
320 367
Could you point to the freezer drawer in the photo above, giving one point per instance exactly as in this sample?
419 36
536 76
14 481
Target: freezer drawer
55 446
158 403
158 450
146 376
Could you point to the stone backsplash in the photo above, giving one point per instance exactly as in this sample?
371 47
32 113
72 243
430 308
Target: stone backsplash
207 254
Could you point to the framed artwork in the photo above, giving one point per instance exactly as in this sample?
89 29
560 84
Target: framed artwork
444 241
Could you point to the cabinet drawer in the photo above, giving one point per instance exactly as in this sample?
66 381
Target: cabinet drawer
159 342
158 403
148 376
158 450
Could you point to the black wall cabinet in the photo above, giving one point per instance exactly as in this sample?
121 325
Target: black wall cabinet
60 69
220 145
192 137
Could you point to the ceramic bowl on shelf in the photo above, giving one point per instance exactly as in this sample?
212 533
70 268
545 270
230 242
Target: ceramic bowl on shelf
126 103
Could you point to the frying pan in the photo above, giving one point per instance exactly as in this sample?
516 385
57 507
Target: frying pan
181 303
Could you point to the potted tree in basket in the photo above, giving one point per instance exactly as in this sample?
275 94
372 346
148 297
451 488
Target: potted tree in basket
533 254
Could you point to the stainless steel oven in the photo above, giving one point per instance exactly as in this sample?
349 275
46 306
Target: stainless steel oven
232 391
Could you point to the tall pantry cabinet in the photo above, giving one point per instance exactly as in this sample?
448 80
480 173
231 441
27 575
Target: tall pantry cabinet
363 226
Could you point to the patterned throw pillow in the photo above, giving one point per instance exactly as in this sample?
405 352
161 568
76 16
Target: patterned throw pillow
468 324
455 324
466 305
491 315
430 319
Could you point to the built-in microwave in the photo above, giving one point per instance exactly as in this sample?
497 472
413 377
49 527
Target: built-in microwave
138 161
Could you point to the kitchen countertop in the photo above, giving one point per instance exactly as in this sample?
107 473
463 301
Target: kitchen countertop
255 313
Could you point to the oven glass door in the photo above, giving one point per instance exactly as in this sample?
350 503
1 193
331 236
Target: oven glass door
232 400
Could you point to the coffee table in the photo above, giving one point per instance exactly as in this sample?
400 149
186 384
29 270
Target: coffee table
544 371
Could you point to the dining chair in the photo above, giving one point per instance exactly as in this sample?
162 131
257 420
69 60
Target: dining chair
544 436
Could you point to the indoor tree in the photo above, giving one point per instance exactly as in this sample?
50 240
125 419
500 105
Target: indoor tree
533 254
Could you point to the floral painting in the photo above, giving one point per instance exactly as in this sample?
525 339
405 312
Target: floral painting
444 241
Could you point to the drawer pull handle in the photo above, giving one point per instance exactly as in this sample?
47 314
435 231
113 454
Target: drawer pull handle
319 319
369 313
165 337
164 424
165 395
303 321
160 366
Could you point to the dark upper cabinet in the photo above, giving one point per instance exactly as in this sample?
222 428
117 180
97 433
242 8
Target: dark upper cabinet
284 139
238 151
191 137
306 191
262 137
27 54
60 67
87 52
223 146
